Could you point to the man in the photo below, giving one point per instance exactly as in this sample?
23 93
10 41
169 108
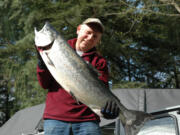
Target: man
62 114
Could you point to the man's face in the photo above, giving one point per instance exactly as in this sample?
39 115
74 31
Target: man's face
87 38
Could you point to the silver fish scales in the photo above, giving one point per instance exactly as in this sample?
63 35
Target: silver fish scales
80 80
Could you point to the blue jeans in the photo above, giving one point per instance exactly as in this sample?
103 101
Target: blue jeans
56 127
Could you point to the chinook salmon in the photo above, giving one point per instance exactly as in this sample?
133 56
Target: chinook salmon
79 79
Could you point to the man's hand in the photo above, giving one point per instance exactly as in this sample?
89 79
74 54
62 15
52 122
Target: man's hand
110 110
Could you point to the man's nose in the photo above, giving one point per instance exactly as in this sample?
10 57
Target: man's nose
90 36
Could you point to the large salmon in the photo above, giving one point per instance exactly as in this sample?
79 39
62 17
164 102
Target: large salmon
80 79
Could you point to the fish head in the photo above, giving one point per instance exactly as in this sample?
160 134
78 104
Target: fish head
45 36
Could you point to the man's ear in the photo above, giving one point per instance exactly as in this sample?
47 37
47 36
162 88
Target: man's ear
78 29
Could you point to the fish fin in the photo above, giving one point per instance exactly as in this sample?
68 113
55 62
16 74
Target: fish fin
129 130
133 125
134 128
49 60
74 97
46 58
98 112
97 74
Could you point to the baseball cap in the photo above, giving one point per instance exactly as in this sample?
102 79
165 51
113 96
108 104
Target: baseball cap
94 20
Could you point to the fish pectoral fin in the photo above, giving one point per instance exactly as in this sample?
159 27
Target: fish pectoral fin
74 97
49 61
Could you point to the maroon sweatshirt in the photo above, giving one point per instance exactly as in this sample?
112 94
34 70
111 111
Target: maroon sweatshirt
60 105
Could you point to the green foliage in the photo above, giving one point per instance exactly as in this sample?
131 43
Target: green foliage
125 84
27 88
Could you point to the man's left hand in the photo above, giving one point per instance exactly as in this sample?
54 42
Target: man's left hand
110 110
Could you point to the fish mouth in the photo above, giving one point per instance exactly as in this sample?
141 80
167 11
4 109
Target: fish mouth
46 47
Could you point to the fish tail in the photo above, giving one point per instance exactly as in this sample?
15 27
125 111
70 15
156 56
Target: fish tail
133 121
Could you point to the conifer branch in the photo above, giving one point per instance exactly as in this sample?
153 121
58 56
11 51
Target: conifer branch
172 2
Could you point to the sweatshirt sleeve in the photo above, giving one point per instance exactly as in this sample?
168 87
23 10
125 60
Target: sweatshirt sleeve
101 66
46 80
